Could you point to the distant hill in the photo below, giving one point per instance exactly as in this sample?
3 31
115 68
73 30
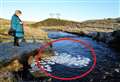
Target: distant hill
54 22
4 21
62 22
103 21
107 24
5 25
7 22
103 25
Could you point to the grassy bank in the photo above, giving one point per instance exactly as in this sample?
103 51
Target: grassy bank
30 34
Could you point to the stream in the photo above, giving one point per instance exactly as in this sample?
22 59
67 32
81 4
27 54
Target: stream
73 59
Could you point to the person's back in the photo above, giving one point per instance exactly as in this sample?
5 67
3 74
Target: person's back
17 27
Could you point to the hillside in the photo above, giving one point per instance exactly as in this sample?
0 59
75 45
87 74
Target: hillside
7 22
105 23
62 22
4 21
54 22
102 25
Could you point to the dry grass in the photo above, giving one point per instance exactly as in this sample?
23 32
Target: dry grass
14 65
5 71
76 29
30 34
36 33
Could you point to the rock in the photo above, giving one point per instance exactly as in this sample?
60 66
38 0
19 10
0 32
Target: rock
9 52
16 56
110 38
92 34
101 36
116 40
81 33
15 59
117 70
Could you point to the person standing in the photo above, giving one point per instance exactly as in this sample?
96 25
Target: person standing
17 27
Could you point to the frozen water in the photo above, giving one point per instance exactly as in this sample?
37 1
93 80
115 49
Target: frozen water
50 62
63 59
56 53
68 60
48 68
44 64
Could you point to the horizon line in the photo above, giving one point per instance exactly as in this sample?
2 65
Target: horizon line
66 19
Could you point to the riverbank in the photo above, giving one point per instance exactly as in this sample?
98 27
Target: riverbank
112 39
15 62
107 60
